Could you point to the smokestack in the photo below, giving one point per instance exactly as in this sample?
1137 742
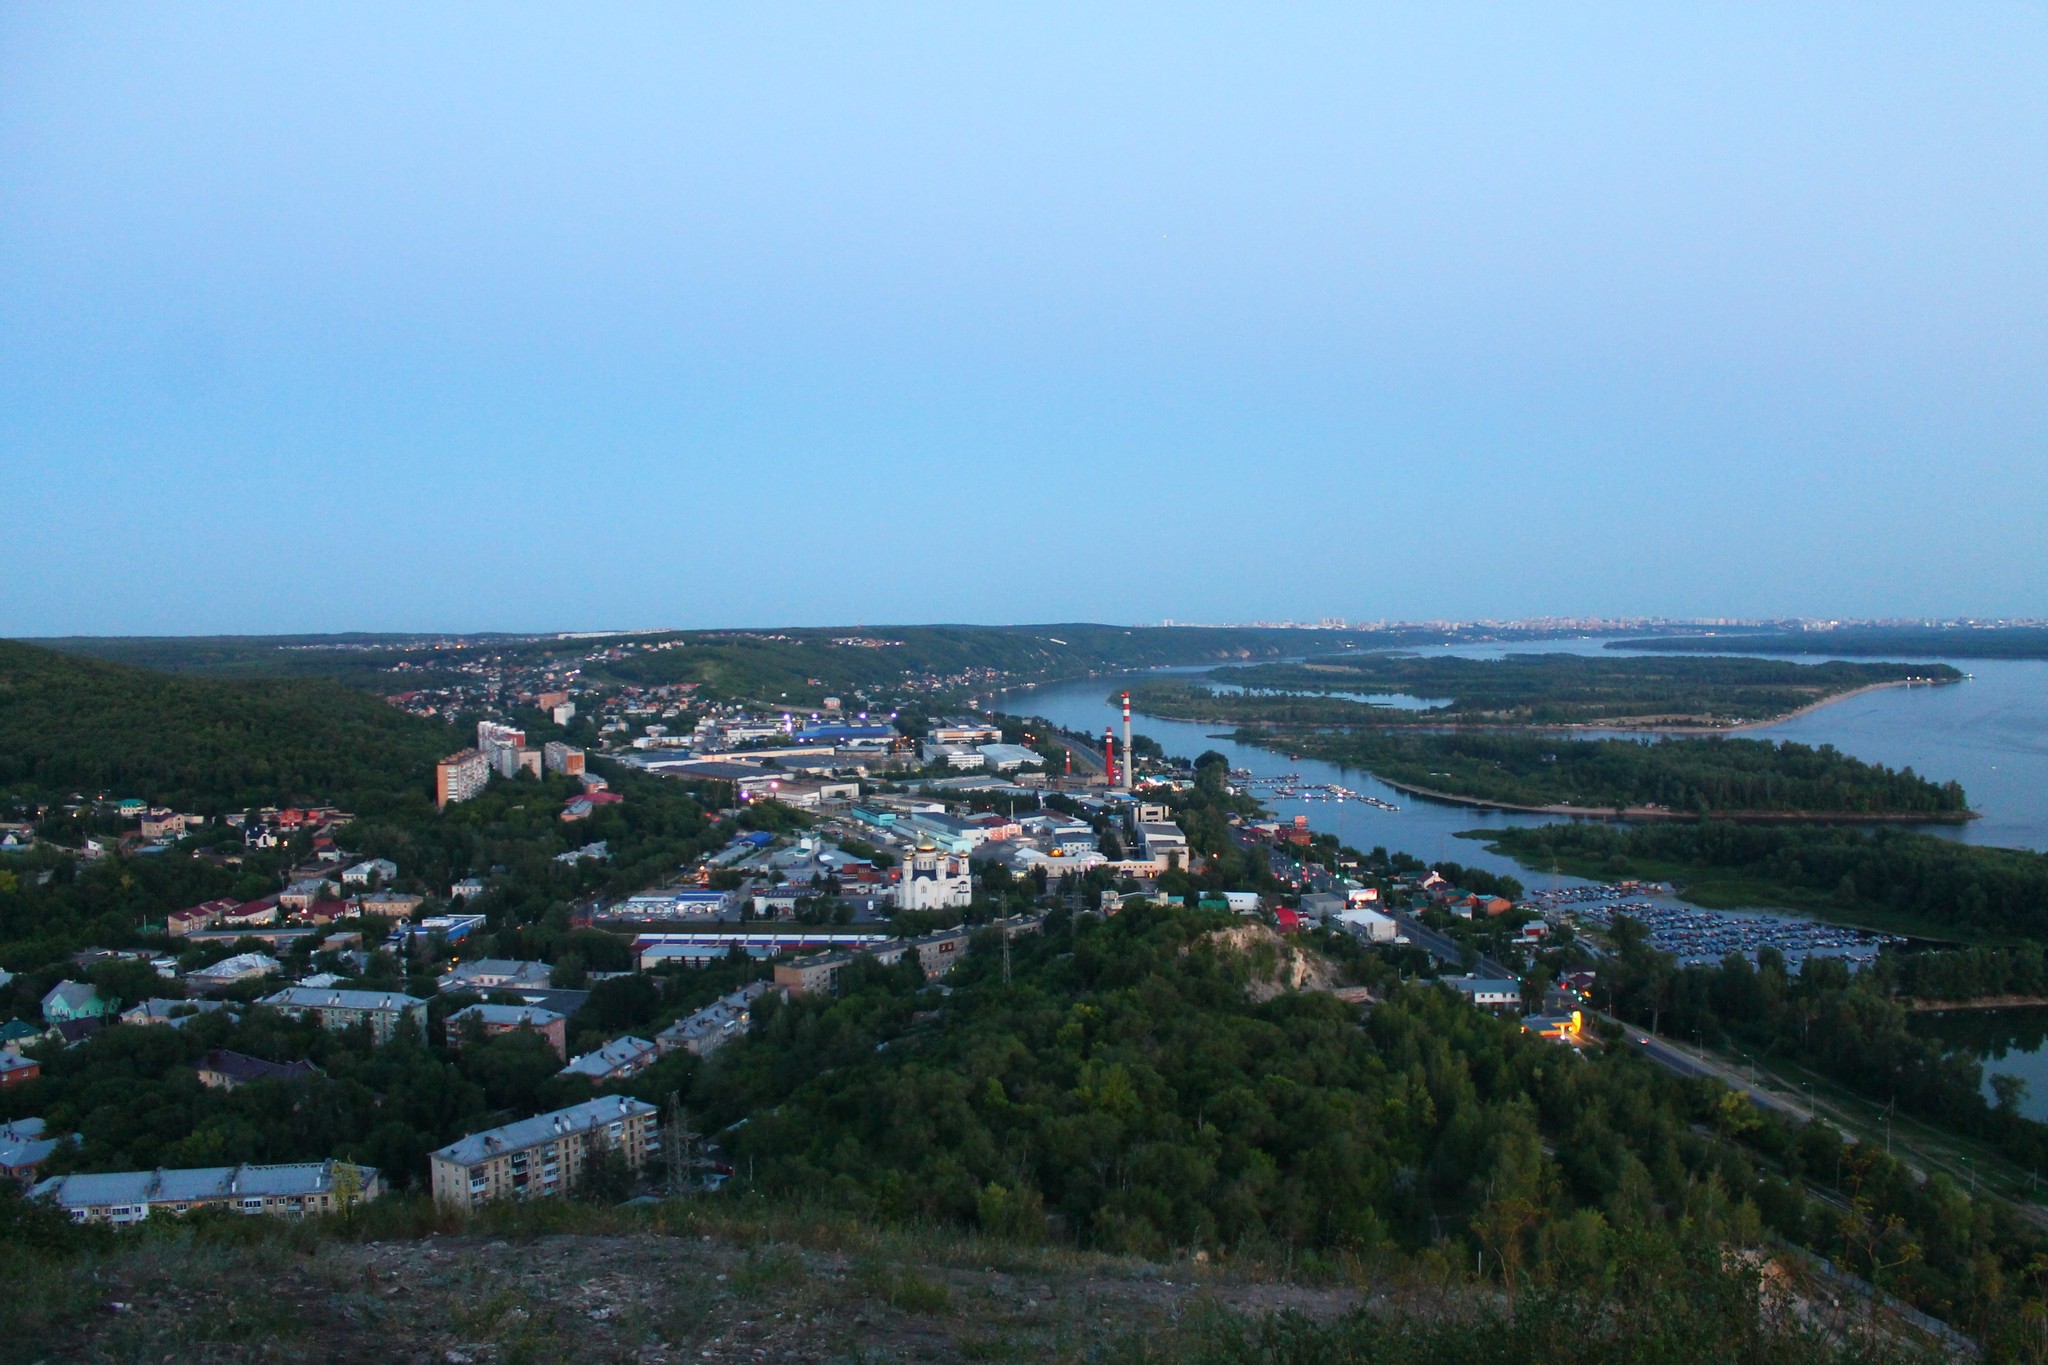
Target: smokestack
1108 757
1127 741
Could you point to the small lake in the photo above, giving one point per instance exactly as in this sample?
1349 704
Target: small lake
2005 1042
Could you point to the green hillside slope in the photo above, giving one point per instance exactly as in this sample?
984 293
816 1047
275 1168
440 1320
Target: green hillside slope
74 724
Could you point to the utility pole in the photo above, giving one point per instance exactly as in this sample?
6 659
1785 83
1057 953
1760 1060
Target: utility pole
1006 956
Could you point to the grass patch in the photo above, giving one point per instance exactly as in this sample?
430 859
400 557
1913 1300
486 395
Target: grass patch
902 1287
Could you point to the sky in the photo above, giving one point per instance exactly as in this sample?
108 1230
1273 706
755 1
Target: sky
321 317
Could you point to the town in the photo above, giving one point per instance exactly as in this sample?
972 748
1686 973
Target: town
832 841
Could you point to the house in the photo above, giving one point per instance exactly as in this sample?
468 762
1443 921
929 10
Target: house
16 1069
262 911
169 1013
292 1191
375 872
301 894
23 1148
325 912
17 1033
221 1069
543 1156
466 888
1487 993
615 1061
201 916
335 1009
391 904
233 971
493 973
163 824
72 1000
494 1020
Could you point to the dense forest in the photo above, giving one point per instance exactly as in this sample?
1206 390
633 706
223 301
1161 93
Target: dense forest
1701 776
1524 689
1952 642
1884 876
1123 1089
69 724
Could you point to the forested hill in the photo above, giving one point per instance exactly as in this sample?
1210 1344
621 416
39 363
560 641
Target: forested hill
1951 642
74 724
800 665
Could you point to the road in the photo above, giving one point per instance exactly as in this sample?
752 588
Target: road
1686 1063
1446 949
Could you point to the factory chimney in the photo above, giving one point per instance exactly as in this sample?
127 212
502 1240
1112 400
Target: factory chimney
1127 741
1109 757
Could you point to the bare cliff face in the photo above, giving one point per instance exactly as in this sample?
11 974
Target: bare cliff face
1276 964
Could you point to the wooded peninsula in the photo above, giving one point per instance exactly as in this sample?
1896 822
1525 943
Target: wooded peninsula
1523 689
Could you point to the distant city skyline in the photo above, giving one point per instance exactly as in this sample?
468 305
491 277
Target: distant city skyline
414 318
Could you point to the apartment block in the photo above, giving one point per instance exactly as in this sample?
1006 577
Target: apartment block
290 1191
460 776
339 1009
542 1156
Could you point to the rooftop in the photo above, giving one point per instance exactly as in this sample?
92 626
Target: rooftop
577 1118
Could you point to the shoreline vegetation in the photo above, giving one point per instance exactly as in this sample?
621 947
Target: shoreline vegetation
1630 779
1636 813
1563 692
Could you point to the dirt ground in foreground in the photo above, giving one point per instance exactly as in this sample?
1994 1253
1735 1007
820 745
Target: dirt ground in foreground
465 1300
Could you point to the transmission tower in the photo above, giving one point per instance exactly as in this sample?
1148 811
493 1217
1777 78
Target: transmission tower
681 1144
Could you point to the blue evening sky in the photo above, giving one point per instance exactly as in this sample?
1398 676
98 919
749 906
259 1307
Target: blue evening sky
356 316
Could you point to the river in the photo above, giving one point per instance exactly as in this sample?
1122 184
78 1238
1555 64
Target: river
1990 733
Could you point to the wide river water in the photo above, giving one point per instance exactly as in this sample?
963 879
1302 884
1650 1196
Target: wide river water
1990 733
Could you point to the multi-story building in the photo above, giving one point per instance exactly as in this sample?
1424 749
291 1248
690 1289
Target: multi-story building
496 1019
390 904
1164 843
712 1027
460 776
615 1061
339 1009
818 974
494 973
558 757
542 1156
284 1191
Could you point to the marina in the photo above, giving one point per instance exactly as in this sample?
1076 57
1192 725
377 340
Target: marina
1292 786
1701 938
